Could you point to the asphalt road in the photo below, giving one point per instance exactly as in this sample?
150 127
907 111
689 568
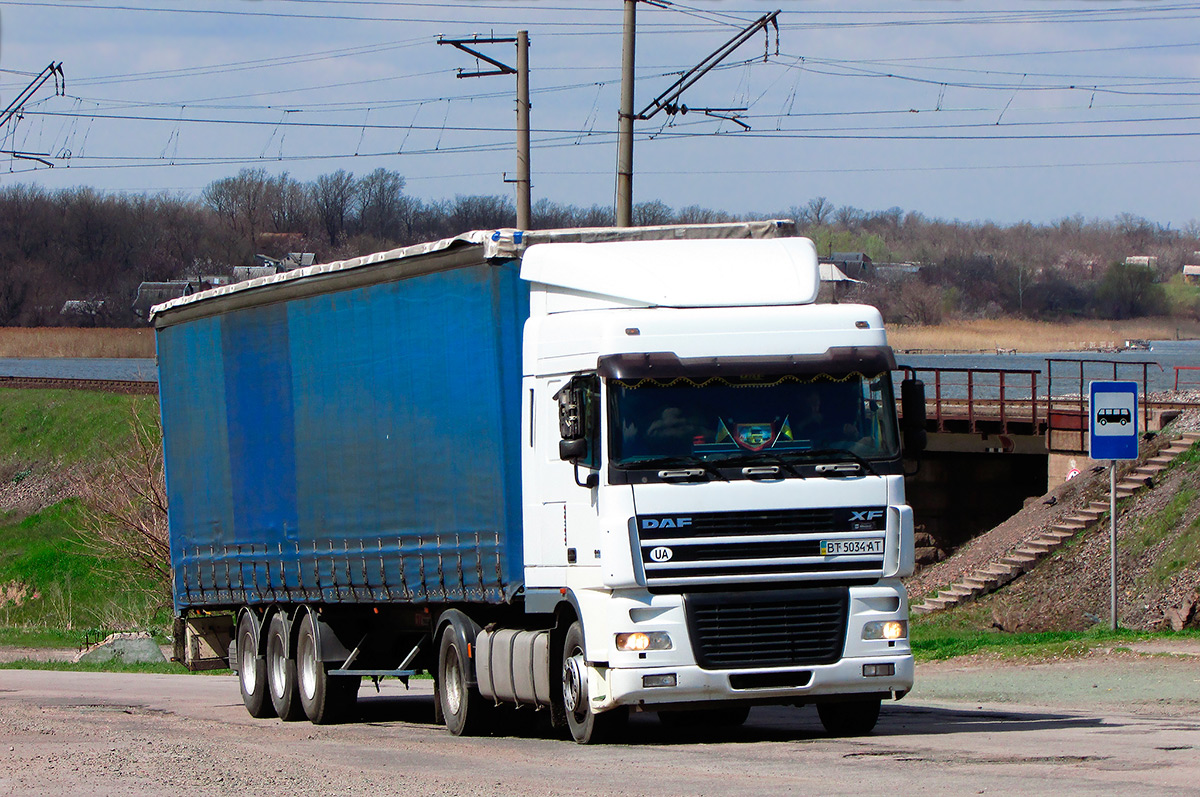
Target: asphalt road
1121 724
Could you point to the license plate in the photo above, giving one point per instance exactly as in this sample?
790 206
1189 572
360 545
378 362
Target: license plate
838 547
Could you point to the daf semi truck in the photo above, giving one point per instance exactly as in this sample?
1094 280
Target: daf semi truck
582 471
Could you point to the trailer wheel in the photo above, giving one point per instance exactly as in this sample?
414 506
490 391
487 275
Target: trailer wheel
281 672
252 670
464 710
849 717
586 727
325 699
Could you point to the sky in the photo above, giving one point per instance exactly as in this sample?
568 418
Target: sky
990 111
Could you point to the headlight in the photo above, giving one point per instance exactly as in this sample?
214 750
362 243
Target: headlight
885 629
640 640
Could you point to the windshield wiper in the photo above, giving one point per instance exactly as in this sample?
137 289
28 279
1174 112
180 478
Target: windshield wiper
686 463
838 453
759 456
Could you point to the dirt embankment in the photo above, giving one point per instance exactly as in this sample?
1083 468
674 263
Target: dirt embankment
1158 564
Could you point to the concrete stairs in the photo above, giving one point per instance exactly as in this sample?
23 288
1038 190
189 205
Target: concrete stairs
1026 556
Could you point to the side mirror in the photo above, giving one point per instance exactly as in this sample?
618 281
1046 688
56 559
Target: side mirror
570 411
572 450
912 408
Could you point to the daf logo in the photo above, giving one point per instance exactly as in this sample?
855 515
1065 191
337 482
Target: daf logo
661 554
666 523
866 514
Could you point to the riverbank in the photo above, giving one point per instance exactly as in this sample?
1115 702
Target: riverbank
1019 335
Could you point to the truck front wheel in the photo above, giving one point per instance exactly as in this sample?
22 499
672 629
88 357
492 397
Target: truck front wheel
586 727
281 672
463 708
849 717
252 670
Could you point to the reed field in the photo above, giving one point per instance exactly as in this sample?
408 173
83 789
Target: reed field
70 342
1013 334
953 336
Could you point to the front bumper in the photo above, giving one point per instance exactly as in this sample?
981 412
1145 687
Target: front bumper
613 687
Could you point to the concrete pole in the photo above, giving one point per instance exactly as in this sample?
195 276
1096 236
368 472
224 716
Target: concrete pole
524 202
625 122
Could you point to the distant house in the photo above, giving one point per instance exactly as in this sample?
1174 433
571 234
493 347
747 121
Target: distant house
243 273
152 293
86 309
1142 260
856 265
1191 274
291 261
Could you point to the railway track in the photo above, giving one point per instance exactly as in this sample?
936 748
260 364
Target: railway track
125 386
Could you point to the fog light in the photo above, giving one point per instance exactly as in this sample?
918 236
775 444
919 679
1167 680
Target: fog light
666 679
639 641
878 670
885 629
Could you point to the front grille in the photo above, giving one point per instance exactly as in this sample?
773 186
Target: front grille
734 630
743 547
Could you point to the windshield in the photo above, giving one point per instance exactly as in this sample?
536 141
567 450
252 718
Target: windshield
746 418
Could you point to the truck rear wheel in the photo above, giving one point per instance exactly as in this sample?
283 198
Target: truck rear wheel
464 710
281 672
849 717
252 670
325 699
586 727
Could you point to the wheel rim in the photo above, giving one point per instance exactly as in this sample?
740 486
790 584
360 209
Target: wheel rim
574 691
277 665
454 682
306 667
247 666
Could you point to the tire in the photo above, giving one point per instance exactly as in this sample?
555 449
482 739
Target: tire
464 710
586 727
850 717
727 717
281 671
252 670
325 699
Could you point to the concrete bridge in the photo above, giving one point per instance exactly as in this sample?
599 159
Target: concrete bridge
998 437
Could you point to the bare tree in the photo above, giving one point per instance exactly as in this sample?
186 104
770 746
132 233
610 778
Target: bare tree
333 195
818 211
650 214
381 205
126 505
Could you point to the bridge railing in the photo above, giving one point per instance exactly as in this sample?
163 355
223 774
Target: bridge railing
1006 395
1068 393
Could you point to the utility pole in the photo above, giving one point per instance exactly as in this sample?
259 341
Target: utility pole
524 203
667 101
625 121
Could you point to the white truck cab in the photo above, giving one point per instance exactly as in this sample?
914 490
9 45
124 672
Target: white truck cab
712 480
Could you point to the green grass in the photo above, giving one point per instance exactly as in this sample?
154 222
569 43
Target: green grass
932 643
1153 529
164 668
64 427
1182 552
78 590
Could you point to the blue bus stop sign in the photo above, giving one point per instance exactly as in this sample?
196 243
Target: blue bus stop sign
1113 424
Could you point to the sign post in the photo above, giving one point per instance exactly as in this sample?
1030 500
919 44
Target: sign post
1113 435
